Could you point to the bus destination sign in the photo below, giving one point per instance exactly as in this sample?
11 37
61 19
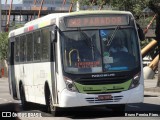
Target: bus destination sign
95 21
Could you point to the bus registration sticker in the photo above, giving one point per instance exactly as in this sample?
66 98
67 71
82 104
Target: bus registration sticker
104 97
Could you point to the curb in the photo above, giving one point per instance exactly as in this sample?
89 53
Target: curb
155 89
3 78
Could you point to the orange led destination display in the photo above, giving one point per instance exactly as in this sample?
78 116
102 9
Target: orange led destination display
87 64
89 21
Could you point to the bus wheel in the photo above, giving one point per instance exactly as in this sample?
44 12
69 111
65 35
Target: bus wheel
23 98
50 108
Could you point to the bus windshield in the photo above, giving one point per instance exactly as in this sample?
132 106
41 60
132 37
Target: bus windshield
100 51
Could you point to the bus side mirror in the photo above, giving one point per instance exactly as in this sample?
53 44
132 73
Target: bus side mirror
54 34
140 33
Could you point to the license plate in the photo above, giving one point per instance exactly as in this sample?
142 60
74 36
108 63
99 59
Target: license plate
104 97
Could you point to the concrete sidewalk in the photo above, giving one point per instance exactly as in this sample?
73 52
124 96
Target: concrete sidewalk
150 86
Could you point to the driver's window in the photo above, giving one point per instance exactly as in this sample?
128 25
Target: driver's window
118 45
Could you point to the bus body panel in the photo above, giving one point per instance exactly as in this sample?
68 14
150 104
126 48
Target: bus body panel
33 77
42 74
73 99
28 81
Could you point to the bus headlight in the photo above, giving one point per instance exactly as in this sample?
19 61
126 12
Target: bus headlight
135 81
70 85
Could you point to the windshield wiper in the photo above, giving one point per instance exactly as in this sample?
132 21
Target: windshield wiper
109 41
89 42
85 38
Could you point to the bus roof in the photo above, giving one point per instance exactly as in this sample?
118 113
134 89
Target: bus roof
51 18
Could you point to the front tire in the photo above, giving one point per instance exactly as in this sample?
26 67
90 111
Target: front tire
50 108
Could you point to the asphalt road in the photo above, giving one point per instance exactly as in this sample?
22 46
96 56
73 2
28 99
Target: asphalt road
150 107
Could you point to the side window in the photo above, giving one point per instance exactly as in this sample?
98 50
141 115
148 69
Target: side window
29 47
25 48
45 34
17 50
37 45
22 49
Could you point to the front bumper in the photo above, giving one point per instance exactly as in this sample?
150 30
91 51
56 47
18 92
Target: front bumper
75 99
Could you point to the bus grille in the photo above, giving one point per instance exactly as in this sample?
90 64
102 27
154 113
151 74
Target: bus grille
101 81
95 99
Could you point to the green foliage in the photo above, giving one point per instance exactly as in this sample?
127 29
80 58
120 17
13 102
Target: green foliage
91 3
154 5
3 45
134 6
4 42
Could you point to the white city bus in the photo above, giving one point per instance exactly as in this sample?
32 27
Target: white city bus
69 60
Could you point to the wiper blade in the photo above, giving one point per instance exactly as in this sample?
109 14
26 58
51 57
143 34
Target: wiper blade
86 38
112 36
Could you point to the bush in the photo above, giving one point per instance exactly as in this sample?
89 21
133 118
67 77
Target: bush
3 45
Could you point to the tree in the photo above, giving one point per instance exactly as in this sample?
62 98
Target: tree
134 6
3 45
91 3
154 5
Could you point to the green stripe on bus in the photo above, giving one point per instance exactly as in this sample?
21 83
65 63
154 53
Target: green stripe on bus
103 88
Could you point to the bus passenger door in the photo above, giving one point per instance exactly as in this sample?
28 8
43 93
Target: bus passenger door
11 72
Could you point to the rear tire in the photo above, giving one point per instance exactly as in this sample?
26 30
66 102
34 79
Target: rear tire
23 98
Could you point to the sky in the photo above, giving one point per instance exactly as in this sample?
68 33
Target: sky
8 1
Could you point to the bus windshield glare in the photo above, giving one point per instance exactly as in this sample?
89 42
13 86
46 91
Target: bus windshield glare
100 51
